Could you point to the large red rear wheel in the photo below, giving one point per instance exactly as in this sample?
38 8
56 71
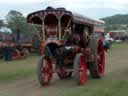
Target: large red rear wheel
97 68
101 58
45 71
80 69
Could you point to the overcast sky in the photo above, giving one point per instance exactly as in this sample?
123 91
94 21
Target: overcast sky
92 8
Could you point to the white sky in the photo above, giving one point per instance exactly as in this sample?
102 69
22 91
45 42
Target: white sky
91 8
19 1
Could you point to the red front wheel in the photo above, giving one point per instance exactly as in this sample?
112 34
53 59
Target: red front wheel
101 58
97 68
80 69
45 71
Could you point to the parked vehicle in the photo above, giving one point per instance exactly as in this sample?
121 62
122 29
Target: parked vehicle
109 38
13 46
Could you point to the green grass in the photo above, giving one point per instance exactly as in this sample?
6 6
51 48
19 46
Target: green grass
19 69
119 46
117 89
114 83
106 88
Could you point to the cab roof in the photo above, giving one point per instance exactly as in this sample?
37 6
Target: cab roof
39 15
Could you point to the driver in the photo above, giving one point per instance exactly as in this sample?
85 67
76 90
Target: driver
67 34
85 47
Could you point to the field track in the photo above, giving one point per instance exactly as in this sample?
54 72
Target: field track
116 76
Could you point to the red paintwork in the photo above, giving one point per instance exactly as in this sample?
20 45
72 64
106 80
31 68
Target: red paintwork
16 54
99 31
47 71
44 43
83 70
101 58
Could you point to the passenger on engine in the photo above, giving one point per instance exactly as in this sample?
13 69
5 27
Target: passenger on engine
73 40
67 35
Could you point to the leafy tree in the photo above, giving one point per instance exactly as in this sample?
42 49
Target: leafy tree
1 23
116 19
17 23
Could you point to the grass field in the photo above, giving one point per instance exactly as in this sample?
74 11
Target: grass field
114 83
19 69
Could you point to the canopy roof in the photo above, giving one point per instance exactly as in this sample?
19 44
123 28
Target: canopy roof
85 20
38 16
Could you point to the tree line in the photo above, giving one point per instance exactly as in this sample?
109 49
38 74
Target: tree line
116 22
15 21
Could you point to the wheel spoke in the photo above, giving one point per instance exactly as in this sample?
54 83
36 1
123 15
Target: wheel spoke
46 71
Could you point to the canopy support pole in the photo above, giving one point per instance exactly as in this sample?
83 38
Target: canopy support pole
43 29
59 27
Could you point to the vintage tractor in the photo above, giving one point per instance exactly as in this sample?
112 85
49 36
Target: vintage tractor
11 48
68 46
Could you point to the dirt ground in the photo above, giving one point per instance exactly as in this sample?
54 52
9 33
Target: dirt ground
116 68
